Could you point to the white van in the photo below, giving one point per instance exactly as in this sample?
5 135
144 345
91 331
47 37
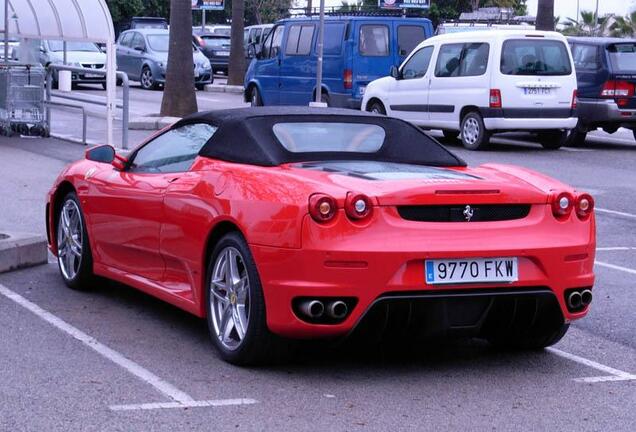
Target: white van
481 83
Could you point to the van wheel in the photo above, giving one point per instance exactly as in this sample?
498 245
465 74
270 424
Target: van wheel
553 140
473 132
576 138
450 134
376 107
255 97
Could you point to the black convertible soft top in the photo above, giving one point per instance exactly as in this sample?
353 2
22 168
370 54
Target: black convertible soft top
245 135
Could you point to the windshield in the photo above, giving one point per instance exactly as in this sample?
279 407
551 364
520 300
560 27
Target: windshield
215 42
73 46
223 31
329 137
535 56
623 57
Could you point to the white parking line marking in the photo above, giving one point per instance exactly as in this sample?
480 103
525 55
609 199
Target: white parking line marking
616 248
614 212
615 374
193 404
615 267
145 375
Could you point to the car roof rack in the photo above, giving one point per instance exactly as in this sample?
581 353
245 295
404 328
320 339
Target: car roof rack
337 11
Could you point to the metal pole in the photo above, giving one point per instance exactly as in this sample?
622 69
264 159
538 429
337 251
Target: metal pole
595 20
125 109
65 52
6 31
578 10
202 20
321 29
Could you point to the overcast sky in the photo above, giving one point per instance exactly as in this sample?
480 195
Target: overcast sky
567 8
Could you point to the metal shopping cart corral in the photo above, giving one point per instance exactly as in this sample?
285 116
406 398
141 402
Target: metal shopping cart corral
22 100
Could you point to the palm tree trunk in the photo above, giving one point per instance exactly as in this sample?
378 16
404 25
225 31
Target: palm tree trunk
179 99
237 51
545 15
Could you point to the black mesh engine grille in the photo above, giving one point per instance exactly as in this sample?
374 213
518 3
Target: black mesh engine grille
464 213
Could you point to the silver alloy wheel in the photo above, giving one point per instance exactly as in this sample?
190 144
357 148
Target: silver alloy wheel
70 239
254 97
230 298
375 109
470 131
147 81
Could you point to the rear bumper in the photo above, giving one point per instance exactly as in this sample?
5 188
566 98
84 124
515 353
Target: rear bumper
605 112
511 124
386 260
344 100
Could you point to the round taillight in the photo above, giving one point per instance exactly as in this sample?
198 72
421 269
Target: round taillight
562 205
322 208
584 206
358 206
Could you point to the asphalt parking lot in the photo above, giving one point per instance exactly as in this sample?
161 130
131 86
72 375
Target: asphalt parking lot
116 359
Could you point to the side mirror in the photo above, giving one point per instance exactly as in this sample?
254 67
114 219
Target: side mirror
103 154
395 72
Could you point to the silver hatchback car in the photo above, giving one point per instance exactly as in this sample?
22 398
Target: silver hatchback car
143 55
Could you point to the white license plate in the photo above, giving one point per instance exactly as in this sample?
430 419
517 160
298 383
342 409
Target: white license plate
537 91
223 53
362 89
471 270
89 75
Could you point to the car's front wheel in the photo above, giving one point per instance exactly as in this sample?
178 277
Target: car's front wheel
376 107
255 97
73 249
147 80
235 304
473 132
553 140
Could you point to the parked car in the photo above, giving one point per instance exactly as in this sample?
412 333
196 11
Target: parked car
311 223
144 22
12 47
143 55
606 74
216 48
255 34
482 83
78 54
217 29
357 50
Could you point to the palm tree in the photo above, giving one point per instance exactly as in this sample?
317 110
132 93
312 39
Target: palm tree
179 99
624 26
588 25
545 15
236 67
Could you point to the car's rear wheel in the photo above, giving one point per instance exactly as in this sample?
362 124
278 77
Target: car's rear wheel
200 87
147 80
235 304
530 341
473 132
255 97
450 134
376 107
552 140
73 249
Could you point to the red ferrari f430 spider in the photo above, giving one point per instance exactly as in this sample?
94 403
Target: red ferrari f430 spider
305 223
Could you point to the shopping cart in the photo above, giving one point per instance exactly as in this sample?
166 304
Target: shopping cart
22 100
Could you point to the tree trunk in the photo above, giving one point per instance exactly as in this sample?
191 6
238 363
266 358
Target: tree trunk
545 15
236 71
308 7
179 99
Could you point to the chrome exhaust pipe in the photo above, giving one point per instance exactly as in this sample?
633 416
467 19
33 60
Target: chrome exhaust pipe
575 300
337 310
586 297
312 308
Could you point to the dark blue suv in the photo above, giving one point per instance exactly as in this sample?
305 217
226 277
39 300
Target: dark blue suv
606 75
357 50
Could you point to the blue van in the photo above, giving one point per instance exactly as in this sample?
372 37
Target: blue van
357 50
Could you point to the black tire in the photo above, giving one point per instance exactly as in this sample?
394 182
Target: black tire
552 140
376 107
450 135
532 341
119 82
146 79
258 344
200 87
473 132
83 278
324 98
255 97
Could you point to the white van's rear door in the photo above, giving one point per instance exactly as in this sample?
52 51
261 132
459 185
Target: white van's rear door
536 77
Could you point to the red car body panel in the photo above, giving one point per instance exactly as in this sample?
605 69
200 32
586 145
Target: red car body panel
153 232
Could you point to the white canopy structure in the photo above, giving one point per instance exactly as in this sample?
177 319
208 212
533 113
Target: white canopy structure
67 20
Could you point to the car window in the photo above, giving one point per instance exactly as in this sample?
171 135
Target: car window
417 65
474 59
125 39
256 35
299 39
585 57
277 39
216 42
173 151
266 45
306 137
138 42
332 44
448 60
408 38
622 57
374 40
246 36
58 45
535 57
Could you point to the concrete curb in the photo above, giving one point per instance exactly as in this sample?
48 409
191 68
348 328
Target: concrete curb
218 88
151 123
18 250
